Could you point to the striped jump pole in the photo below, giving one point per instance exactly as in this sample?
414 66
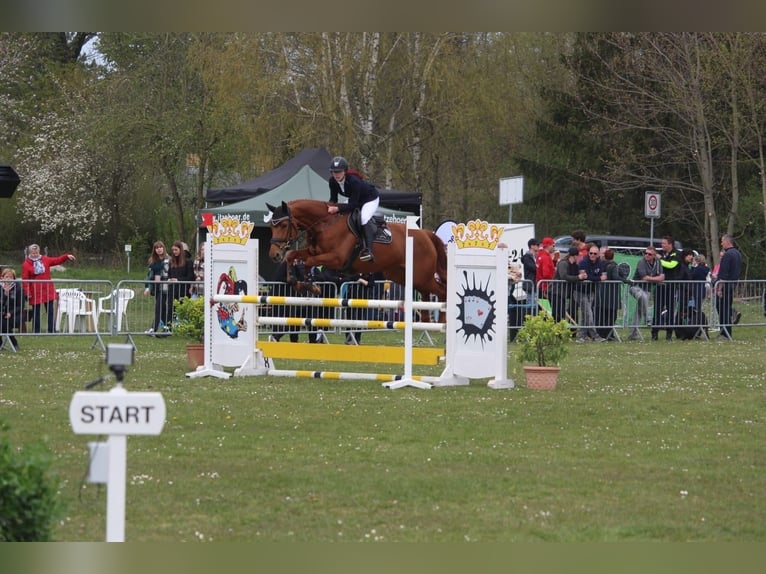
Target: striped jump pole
348 323
328 302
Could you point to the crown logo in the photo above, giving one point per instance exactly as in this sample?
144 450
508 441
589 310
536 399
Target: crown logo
233 229
477 234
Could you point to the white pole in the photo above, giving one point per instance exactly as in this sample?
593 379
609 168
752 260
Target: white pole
408 308
115 489
407 380
115 481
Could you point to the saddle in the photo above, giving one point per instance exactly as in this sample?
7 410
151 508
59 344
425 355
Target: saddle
382 232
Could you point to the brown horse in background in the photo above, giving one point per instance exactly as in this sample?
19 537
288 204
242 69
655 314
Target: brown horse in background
302 229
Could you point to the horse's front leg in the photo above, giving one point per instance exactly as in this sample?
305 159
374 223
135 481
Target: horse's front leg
290 258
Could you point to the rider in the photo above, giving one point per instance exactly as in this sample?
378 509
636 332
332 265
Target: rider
361 194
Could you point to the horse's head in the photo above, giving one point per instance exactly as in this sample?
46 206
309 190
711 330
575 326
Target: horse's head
283 231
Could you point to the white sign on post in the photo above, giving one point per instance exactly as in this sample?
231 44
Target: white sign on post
117 413
511 191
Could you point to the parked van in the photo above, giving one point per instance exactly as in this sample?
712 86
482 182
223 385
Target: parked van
620 243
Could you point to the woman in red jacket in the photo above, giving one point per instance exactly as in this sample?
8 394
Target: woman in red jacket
36 275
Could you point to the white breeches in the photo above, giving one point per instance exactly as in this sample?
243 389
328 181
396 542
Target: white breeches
369 209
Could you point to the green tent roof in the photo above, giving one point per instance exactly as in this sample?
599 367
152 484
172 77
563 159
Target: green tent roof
305 184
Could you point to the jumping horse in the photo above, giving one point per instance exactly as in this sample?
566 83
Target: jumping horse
302 229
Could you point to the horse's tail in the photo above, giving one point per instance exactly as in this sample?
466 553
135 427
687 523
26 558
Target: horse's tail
441 258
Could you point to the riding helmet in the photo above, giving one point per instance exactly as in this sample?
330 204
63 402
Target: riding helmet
338 163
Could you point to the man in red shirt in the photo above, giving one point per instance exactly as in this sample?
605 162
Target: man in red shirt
546 268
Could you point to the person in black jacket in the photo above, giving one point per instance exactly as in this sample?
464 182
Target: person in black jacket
180 276
361 195
725 282
667 291
529 260
12 302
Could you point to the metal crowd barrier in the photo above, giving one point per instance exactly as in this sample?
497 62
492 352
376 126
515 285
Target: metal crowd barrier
79 307
689 309
692 308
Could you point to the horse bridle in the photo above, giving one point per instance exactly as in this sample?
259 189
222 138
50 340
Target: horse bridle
285 242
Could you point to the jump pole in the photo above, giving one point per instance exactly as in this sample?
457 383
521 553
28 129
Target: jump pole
330 302
408 380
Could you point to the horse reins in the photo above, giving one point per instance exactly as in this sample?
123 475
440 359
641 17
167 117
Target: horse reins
285 243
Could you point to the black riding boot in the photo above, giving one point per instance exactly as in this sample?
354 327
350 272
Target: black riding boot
368 236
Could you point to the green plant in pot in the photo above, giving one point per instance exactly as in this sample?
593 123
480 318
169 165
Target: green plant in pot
190 322
543 342
190 318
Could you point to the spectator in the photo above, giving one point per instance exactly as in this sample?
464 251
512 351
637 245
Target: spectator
578 240
685 289
36 276
529 260
159 268
590 275
700 277
667 290
725 285
12 301
648 271
546 268
180 276
517 300
608 296
566 278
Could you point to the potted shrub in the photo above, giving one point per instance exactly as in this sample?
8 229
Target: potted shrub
543 342
190 322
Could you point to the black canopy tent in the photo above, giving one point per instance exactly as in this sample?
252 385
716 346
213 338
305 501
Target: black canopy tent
318 159
9 181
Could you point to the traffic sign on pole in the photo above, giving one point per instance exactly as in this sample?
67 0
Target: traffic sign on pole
652 204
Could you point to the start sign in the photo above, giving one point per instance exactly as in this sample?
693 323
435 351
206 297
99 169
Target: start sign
117 412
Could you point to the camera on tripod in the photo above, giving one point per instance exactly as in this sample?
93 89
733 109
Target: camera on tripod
119 356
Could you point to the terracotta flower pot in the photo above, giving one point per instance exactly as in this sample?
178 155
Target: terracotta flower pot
195 353
541 378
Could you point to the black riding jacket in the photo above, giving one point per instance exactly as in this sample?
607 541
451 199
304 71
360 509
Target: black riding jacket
355 189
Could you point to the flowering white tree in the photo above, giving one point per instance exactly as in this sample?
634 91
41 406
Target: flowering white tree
58 180
14 54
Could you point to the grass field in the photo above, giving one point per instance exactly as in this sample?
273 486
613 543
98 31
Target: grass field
640 442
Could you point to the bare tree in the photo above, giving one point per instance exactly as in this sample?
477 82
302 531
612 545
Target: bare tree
653 96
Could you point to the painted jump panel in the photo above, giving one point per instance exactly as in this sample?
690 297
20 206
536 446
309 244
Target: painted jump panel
347 353
348 376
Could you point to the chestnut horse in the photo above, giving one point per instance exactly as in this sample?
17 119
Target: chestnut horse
302 229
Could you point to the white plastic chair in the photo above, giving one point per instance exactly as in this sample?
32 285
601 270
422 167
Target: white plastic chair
115 304
73 303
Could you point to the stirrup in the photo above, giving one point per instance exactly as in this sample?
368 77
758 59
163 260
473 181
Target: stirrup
366 255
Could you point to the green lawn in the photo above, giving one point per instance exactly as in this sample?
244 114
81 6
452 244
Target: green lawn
640 442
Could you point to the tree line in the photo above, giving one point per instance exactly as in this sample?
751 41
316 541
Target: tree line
117 135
